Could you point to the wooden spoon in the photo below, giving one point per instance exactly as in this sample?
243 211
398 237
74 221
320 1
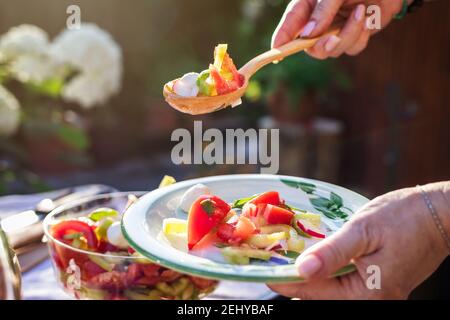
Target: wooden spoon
202 105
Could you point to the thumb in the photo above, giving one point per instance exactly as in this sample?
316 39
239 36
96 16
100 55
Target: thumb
335 252
322 17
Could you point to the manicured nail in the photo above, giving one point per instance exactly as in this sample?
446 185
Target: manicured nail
308 266
360 12
332 43
309 28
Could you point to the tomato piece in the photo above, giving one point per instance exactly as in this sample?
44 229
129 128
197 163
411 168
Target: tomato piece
202 283
58 231
277 215
90 269
244 228
269 197
205 213
150 269
207 241
219 82
114 280
134 272
229 66
225 232
237 232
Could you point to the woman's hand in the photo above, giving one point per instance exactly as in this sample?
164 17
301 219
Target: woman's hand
395 232
311 18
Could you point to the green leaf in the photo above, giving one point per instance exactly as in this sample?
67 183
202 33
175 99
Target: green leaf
289 254
309 188
320 202
341 214
292 208
329 214
73 136
50 87
239 203
337 199
101 213
208 206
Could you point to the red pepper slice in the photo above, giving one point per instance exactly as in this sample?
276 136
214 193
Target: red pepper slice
58 231
312 233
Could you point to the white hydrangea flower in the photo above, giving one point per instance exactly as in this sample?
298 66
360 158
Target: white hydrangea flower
35 68
97 57
23 39
26 49
90 89
9 113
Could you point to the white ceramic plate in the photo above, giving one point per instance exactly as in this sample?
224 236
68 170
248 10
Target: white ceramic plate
142 223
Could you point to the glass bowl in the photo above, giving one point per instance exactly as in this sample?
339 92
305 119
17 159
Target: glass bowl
99 276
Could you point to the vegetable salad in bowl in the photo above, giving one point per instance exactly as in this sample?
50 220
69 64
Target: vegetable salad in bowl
262 228
220 78
92 260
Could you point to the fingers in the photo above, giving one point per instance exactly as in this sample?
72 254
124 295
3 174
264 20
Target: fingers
354 240
349 38
323 15
294 19
352 30
360 44
323 48
346 287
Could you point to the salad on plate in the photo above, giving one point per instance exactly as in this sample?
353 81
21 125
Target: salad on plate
257 229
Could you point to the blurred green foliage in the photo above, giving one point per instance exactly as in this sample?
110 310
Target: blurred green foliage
299 74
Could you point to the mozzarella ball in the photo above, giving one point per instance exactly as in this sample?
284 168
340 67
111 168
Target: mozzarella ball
186 86
190 78
115 236
192 194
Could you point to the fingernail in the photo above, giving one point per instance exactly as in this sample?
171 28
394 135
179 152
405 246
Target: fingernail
332 43
308 29
359 13
308 266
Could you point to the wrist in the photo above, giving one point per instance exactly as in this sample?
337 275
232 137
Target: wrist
439 196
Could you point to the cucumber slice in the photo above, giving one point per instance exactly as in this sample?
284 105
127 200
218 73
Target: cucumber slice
262 241
243 255
312 218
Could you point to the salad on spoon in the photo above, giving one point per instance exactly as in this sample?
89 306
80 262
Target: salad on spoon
222 84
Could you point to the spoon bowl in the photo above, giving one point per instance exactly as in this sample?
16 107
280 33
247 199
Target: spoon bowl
202 105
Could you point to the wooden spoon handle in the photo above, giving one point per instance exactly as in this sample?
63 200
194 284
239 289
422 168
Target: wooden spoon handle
280 53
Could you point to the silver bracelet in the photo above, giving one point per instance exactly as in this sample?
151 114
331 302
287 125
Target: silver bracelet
436 218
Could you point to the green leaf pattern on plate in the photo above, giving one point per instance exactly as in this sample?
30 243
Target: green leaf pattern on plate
332 207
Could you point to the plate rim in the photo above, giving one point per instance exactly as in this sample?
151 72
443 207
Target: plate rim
212 274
